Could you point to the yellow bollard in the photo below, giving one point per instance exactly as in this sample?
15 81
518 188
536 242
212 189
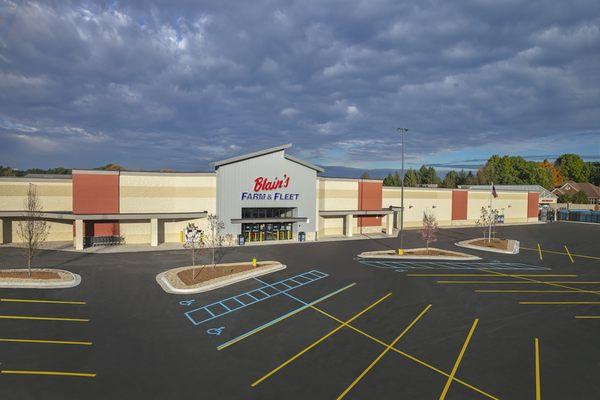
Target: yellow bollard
400 252
181 237
254 262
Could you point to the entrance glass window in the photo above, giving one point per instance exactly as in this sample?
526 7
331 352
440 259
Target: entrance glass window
267 212
268 230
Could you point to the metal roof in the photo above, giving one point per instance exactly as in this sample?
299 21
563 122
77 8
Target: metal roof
259 153
515 188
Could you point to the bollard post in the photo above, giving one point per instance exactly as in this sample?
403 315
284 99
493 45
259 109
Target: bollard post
254 262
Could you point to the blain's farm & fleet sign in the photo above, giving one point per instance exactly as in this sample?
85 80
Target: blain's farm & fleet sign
266 189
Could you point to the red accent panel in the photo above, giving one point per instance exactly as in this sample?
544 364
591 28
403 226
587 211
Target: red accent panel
533 200
369 198
104 228
459 205
95 194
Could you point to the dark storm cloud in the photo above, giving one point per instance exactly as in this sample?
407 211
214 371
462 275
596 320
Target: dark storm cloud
155 84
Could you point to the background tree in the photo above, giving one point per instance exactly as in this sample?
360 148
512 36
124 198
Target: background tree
32 229
450 180
392 179
430 227
565 198
112 167
428 176
557 178
365 175
411 178
594 173
572 167
580 198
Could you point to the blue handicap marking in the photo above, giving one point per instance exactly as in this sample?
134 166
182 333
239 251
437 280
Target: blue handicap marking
215 331
187 302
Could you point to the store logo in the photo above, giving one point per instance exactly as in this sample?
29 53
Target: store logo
261 183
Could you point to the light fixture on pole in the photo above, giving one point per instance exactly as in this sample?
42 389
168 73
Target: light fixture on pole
401 250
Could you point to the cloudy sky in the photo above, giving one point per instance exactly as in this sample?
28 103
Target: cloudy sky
176 84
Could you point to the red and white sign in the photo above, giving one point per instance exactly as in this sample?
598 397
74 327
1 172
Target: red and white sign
261 183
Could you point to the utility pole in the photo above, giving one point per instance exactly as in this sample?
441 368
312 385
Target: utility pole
401 250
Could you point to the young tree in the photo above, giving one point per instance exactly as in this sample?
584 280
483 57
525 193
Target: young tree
194 242
430 227
214 238
365 175
487 220
33 230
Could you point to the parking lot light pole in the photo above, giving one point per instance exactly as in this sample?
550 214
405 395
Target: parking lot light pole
401 250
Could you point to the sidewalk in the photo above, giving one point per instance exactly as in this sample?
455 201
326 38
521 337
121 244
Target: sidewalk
133 248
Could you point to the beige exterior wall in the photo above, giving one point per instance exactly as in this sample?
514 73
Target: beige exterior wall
417 200
164 193
335 194
512 204
54 195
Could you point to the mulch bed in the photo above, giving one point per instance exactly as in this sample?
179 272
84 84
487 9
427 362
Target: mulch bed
501 244
206 273
431 252
23 274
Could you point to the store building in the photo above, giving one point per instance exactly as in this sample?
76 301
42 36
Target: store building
264 196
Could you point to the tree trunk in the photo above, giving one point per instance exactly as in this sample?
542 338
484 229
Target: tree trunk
29 264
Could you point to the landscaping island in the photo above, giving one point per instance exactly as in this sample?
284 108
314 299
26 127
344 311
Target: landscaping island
419 254
39 278
495 245
202 278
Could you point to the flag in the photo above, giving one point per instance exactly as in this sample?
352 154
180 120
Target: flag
494 191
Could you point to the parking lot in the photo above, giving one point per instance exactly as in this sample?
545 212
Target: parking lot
329 326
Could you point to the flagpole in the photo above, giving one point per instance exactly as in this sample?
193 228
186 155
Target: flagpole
491 213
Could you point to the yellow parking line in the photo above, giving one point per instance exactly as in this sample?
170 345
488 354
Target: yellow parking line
54 373
531 282
555 283
315 343
569 254
406 355
587 316
526 291
45 341
44 318
42 301
383 353
561 252
458 360
540 251
538 389
492 275
559 302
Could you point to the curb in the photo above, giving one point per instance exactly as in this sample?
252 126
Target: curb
466 245
466 257
164 283
44 285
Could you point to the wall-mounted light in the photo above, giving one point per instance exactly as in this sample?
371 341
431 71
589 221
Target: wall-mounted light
433 206
509 206
409 206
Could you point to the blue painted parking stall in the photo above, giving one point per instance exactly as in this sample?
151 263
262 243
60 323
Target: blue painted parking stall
226 306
